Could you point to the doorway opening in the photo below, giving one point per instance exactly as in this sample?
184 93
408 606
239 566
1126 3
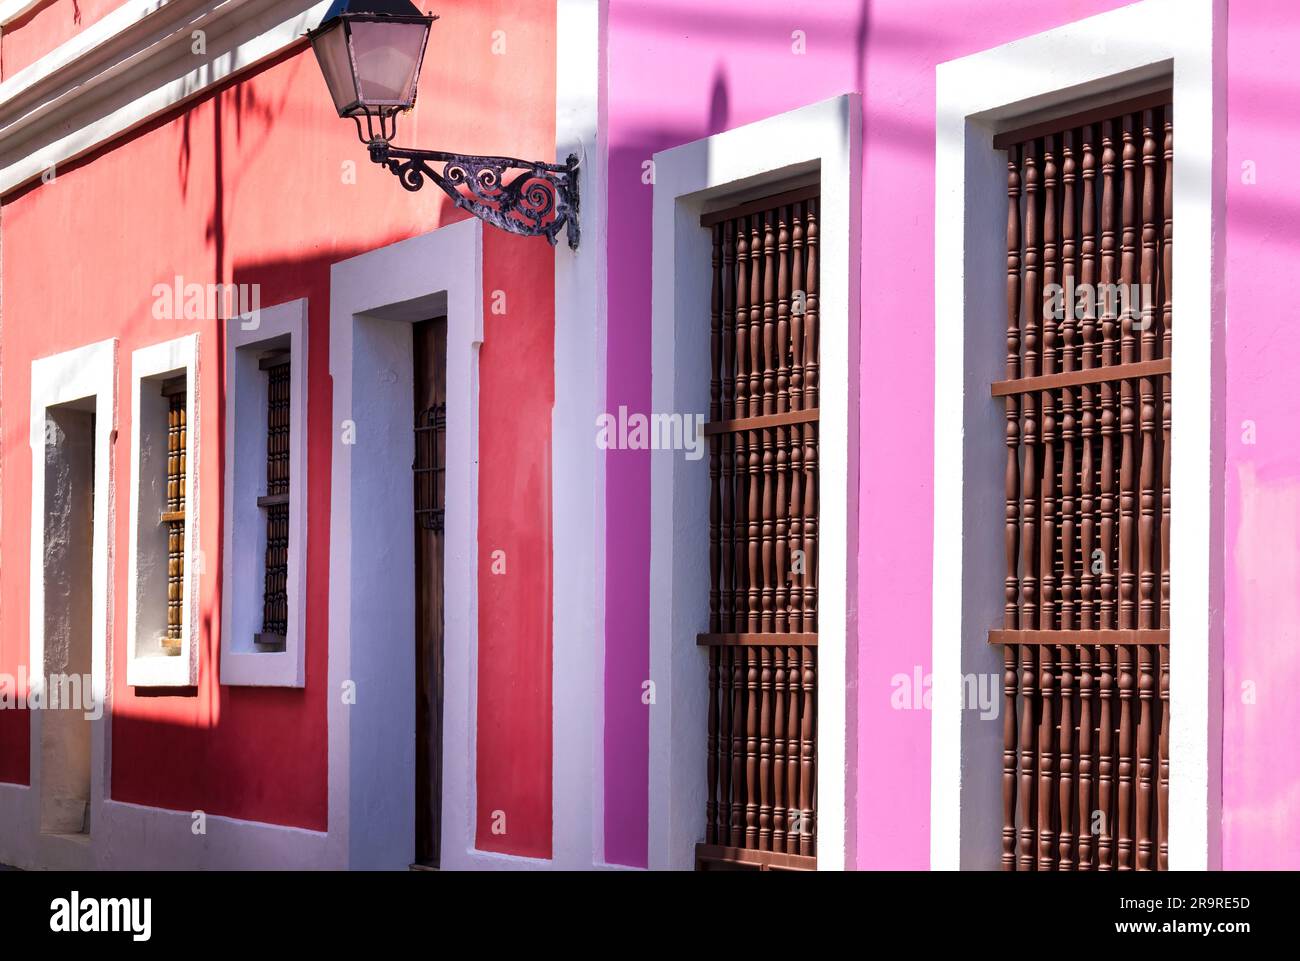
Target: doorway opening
429 362
69 529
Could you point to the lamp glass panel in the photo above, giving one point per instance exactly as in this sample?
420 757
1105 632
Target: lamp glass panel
388 60
332 53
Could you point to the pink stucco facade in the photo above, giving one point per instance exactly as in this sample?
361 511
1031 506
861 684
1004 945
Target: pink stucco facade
678 71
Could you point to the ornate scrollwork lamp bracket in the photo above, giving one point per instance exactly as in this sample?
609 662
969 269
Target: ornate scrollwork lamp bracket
524 197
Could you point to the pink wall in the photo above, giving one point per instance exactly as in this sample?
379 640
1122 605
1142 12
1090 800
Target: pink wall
681 70
1261 766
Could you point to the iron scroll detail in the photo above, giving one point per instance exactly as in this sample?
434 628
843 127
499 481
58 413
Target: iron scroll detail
521 196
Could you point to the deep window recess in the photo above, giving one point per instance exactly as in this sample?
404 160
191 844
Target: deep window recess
1085 634
174 514
763 445
275 503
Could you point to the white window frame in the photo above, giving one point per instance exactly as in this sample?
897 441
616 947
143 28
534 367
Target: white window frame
822 138
1133 46
168 359
244 523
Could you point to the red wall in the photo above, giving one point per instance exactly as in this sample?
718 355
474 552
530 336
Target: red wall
248 186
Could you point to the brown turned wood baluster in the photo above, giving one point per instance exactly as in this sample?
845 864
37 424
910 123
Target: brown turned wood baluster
1164 758
751 747
1085 834
1011 588
798 307
757 447
769 313
797 480
728 319
1031 301
811 377
738 795
725 734
711 805
1069 506
1066 763
1167 251
765 749
794 682
1028 814
1128 355
1047 519
1088 422
1147 503
768 530
1108 343
1087 505
782 310
811 332
807 754
798 549
1046 755
810 528
1031 305
1166 384
1145 765
1105 768
783 434
1127 506
1009 757
755 315
726 441
715 441
1124 827
781 515
742 608
778 749
753 538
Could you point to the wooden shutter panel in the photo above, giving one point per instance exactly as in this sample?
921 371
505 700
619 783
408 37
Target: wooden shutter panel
174 515
275 590
1088 394
762 640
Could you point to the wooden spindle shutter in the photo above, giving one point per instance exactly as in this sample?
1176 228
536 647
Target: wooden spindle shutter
174 514
762 639
1085 633
275 590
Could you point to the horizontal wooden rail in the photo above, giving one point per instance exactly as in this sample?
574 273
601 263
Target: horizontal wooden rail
757 640
1080 637
733 859
1081 118
761 422
1093 375
760 206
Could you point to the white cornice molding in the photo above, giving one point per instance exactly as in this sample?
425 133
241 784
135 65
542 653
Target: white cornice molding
11 10
130 67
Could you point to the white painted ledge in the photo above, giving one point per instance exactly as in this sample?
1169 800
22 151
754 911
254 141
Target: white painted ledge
135 64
